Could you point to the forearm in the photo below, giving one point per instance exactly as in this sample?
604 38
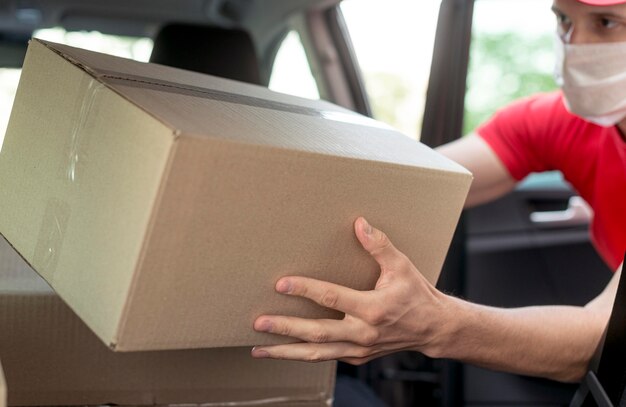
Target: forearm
491 178
556 342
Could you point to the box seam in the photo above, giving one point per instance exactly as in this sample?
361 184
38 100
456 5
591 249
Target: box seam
145 243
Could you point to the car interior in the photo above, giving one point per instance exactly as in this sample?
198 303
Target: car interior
530 247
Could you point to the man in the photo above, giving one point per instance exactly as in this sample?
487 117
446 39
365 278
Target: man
580 132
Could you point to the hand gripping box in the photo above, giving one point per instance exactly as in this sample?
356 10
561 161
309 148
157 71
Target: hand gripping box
51 358
163 205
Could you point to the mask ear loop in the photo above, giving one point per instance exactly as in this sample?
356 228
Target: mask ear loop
561 40
567 37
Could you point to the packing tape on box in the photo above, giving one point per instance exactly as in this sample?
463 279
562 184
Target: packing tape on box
57 213
213 94
78 142
50 239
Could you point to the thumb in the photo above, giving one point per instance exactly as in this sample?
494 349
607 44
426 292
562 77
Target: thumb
376 243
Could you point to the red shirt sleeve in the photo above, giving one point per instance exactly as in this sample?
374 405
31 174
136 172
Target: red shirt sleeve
523 135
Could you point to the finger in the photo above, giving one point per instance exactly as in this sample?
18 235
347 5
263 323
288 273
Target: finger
311 352
384 350
362 361
326 294
316 330
376 243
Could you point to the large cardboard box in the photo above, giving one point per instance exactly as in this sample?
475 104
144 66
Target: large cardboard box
51 358
163 205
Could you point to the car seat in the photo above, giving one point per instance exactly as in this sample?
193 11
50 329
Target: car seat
224 52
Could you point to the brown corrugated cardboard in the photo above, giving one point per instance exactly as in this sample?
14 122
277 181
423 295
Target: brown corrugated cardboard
51 358
163 205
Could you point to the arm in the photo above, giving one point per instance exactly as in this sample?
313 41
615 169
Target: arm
491 178
549 341
405 312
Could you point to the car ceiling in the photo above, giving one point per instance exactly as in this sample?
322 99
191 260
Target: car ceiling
142 18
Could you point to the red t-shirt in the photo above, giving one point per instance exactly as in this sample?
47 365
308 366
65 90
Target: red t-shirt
538 134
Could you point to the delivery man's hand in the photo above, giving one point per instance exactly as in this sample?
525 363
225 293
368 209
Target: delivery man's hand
403 312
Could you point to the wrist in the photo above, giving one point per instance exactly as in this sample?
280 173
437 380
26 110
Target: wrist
450 317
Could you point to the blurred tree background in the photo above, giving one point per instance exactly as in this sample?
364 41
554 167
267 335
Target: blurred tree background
503 67
391 93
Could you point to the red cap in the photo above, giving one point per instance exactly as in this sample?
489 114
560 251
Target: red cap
602 2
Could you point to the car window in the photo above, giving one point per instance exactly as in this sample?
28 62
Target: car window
9 78
393 41
291 72
138 49
511 55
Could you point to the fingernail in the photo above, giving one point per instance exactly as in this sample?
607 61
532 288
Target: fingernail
260 353
284 286
367 228
265 326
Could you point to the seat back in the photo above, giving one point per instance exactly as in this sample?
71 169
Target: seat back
224 52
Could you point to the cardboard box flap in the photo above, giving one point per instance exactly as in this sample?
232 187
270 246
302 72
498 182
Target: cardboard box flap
110 67
231 110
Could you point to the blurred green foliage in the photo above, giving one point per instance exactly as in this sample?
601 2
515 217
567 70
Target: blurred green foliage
504 67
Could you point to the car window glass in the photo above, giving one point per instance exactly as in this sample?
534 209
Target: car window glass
511 55
9 77
291 72
393 41
138 49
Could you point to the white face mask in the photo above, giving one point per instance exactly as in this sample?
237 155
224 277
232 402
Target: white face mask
593 80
